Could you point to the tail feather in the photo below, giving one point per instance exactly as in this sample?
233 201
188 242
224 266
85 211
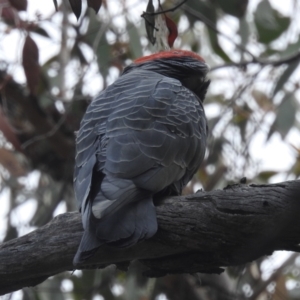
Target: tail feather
132 223
88 246
125 227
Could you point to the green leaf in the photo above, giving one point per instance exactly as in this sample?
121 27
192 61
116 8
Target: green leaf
104 56
240 119
206 11
215 150
95 4
235 8
97 40
285 76
134 40
55 4
263 101
291 49
39 30
196 10
76 6
285 118
244 31
296 167
266 175
150 22
77 52
216 46
93 29
269 22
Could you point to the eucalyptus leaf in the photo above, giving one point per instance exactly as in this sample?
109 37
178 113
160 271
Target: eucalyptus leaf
150 22
216 46
291 49
266 175
285 76
39 30
93 29
96 38
285 118
200 9
206 12
77 53
235 8
269 22
243 32
135 41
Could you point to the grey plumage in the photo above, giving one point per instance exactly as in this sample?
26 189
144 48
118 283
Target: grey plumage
143 135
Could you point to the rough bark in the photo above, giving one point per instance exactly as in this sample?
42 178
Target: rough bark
203 232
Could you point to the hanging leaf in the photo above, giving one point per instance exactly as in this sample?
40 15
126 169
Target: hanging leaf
264 176
9 160
36 29
93 29
269 23
196 10
285 118
95 4
244 33
235 8
135 41
76 7
161 34
8 131
9 15
285 76
263 101
150 22
216 46
241 117
291 49
173 32
103 50
19 4
30 60
296 167
55 5
215 149
77 52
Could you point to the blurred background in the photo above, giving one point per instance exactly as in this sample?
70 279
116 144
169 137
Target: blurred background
51 66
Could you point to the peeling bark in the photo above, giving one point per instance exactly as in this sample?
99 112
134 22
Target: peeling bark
203 232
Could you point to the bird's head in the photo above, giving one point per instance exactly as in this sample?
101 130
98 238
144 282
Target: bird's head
186 66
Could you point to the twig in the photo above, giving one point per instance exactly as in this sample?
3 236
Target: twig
274 63
212 26
274 276
45 135
64 53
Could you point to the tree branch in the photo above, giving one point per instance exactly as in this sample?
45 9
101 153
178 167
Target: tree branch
276 63
197 233
62 146
44 141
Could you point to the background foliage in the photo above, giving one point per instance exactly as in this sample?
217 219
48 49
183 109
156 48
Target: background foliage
252 109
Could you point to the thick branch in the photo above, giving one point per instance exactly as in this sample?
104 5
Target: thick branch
197 233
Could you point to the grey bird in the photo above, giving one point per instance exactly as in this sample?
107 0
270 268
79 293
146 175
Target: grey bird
143 137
